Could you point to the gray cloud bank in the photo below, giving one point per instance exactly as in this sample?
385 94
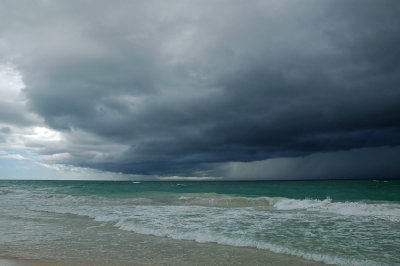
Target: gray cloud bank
192 87
376 162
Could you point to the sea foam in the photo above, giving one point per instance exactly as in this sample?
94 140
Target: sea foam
382 210
229 220
387 211
331 231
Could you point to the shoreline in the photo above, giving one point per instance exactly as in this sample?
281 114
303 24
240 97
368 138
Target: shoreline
13 261
118 224
185 252
8 261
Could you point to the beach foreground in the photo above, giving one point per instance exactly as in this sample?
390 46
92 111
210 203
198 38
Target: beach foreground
7 261
98 247
189 223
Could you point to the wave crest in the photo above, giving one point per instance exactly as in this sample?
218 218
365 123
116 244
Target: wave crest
383 210
214 200
387 211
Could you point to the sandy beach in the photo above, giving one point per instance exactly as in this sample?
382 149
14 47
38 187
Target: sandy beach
80 223
11 261
189 253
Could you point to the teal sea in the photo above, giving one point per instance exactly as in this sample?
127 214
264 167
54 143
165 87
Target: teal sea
345 222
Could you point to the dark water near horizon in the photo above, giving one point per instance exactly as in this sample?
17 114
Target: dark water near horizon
341 190
345 222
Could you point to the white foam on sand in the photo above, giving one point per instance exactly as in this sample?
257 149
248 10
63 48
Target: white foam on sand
387 211
204 224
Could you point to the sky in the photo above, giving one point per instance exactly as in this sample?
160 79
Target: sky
199 90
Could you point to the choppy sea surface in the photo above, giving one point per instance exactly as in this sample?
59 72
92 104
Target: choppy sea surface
344 222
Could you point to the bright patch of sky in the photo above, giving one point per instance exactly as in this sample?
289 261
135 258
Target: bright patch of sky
18 159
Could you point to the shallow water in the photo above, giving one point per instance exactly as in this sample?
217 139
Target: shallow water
340 222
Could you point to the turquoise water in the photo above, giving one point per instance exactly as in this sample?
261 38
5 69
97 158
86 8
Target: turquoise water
340 190
344 222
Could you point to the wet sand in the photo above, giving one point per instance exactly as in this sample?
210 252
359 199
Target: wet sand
168 252
9 261
106 245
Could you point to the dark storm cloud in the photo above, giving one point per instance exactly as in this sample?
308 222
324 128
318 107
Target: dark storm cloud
179 86
376 162
11 113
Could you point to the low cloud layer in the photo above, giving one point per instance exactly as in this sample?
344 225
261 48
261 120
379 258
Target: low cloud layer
377 163
187 88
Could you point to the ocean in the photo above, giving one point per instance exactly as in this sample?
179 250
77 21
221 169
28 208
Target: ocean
344 222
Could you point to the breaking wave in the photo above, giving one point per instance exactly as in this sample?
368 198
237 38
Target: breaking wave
277 224
215 200
387 211
383 210
196 223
